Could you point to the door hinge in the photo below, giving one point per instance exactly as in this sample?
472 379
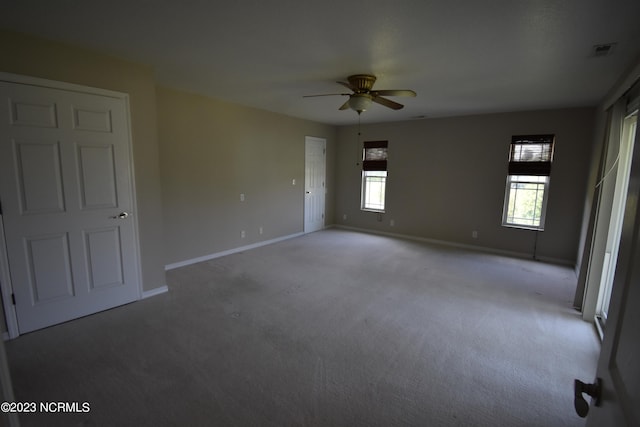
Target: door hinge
13 299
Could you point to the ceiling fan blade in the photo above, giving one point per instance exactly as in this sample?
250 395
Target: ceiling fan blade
393 92
326 94
345 106
387 102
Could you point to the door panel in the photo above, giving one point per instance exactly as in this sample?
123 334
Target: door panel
98 181
104 257
37 165
49 265
32 113
92 120
65 179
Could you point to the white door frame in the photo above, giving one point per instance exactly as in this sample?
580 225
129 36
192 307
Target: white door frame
6 287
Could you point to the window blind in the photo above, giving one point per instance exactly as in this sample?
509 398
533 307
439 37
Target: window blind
374 156
531 155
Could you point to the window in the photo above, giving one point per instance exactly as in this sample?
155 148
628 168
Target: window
373 186
374 175
525 200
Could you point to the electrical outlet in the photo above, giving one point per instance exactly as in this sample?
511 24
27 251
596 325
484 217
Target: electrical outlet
474 234
260 230
392 223
293 181
243 234
344 217
242 197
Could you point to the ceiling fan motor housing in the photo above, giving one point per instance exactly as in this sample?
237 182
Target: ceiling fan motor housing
361 82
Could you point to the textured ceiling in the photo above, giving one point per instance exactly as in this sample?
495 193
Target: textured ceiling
460 56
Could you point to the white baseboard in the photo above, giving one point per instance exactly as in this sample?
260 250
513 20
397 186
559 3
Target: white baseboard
229 252
153 292
460 245
145 294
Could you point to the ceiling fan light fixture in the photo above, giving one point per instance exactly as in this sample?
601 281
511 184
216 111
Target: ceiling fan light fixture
360 102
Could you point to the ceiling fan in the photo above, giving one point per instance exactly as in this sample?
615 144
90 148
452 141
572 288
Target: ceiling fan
363 95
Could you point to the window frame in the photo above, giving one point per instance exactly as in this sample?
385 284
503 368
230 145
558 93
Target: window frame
529 169
374 161
507 196
363 190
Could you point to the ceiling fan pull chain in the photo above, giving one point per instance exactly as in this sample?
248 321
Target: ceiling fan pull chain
358 151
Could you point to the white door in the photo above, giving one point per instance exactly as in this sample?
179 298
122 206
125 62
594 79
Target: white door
314 183
619 364
65 188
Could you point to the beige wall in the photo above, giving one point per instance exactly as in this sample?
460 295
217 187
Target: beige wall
39 58
210 153
447 179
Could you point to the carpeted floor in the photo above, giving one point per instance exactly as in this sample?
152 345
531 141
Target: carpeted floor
335 328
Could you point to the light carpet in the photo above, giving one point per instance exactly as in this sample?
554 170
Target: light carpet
334 328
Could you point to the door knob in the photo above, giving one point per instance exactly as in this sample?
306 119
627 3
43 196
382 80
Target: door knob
308 192
593 390
121 215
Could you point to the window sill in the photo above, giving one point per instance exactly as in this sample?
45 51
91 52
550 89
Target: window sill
523 227
372 210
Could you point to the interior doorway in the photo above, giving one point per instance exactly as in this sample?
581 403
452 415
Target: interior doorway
314 183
